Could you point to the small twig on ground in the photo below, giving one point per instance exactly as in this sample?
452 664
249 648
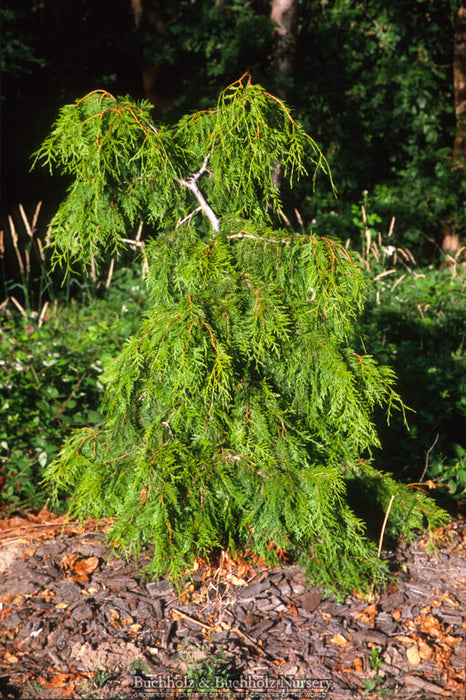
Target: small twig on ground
235 630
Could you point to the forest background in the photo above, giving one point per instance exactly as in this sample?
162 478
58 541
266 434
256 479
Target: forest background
381 89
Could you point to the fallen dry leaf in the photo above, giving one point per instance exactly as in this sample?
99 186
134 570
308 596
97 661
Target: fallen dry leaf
186 595
340 641
115 618
430 625
412 654
450 640
89 591
358 665
47 595
410 625
59 680
367 616
5 610
442 656
78 568
448 599
425 651
235 580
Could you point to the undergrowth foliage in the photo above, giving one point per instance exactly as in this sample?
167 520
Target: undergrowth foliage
238 410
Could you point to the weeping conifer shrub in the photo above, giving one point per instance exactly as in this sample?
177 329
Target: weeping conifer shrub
239 410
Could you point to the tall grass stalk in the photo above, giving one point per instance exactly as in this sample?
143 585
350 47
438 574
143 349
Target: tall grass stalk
26 272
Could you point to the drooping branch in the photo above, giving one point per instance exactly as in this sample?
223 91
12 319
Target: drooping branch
191 184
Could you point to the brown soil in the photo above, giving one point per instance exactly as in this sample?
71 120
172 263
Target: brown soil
78 622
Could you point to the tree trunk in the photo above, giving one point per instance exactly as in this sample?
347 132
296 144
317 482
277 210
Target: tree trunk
284 14
151 19
459 81
451 237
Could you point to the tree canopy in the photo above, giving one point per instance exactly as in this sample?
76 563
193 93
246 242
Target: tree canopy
372 82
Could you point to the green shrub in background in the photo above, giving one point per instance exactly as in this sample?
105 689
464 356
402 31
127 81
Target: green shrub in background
415 320
450 473
50 380
237 410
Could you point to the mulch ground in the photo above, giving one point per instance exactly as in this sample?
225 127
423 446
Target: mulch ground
78 622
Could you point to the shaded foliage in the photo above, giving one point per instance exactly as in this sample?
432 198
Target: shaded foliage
373 82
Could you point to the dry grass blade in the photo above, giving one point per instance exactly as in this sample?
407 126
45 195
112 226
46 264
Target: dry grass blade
400 279
27 257
411 256
42 313
392 226
110 273
384 274
19 307
299 217
36 216
40 248
27 226
14 238
375 252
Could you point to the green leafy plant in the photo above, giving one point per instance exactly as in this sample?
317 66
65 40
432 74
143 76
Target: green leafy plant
376 658
381 131
375 662
140 666
452 474
414 320
207 675
50 369
235 413
100 678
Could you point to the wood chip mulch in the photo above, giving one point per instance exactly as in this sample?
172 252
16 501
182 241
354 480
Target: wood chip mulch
78 622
